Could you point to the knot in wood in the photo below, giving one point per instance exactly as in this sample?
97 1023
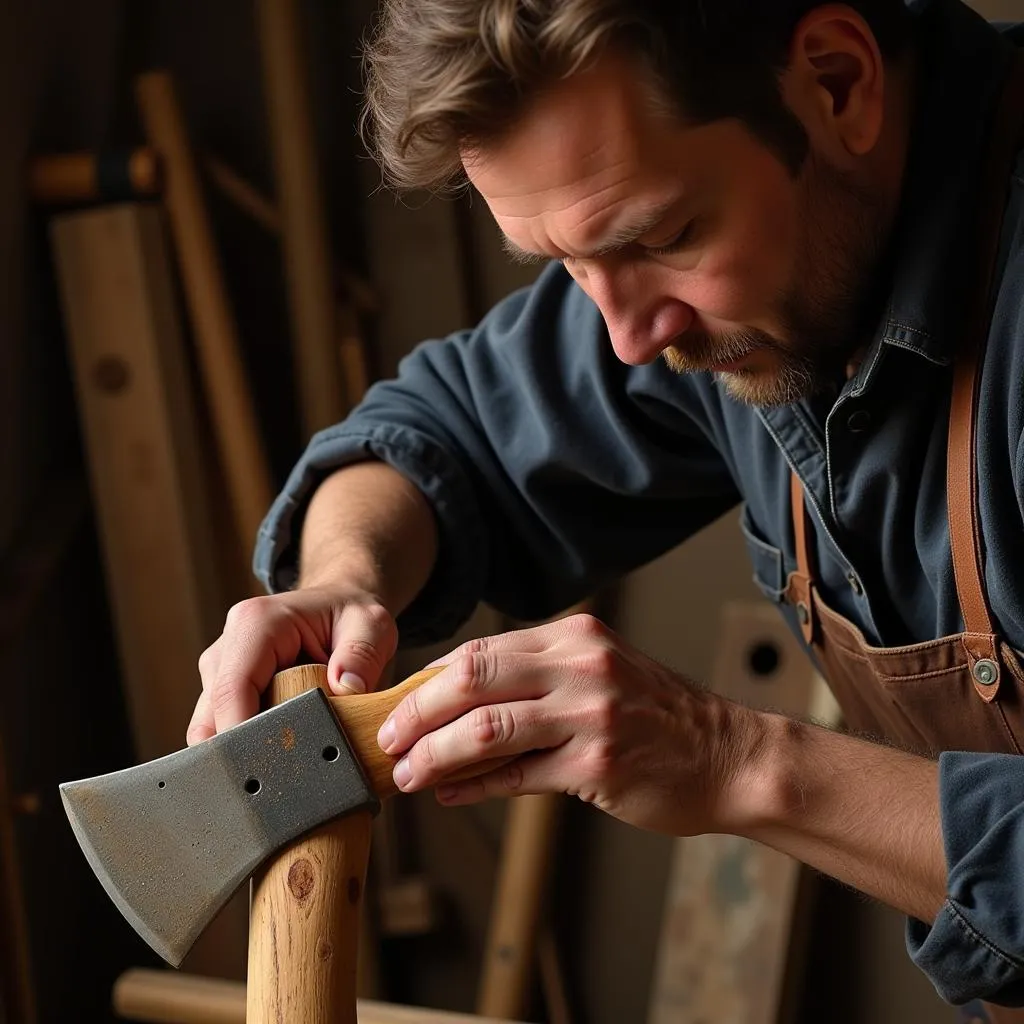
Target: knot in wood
301 880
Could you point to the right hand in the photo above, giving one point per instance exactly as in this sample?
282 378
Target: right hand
346 628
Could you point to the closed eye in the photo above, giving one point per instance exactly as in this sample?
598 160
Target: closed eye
681 241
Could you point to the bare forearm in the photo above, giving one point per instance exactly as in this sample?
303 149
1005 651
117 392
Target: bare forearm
368 526
865 814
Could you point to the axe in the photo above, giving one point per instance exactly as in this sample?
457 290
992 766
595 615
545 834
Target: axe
287 797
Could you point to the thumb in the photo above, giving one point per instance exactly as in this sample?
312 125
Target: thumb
365 639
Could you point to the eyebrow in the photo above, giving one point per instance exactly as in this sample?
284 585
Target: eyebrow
625 234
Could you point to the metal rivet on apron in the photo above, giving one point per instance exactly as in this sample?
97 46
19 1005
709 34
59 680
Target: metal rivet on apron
802 613
986 671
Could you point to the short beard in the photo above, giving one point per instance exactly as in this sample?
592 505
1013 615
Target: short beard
822 316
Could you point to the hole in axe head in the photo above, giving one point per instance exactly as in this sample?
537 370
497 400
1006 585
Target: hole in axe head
252 786
331 753
161 784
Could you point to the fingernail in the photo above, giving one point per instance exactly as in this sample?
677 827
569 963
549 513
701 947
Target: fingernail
351 682
447 792
386 736
402 773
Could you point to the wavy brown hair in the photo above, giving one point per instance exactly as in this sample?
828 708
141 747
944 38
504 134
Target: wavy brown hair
446 74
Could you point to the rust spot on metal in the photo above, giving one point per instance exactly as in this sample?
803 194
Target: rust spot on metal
301 880
287 738
354 889
324 949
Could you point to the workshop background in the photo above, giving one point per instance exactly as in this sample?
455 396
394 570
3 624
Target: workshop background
108 76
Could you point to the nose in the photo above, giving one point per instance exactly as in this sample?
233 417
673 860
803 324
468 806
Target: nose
641 322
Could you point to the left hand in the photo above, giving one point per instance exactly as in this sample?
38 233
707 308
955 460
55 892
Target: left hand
581 712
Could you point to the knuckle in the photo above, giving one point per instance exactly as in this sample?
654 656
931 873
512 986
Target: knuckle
473 672
597 660
363 649
475 646
492 725
512 777
603 714
205 663
379 623
243 614
222 698
597 763
410 709
197 732
379 618
426 751
586 625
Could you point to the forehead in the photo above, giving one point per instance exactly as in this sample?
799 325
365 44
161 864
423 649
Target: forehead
599 131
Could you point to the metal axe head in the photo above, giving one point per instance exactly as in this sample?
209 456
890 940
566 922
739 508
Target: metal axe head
172 840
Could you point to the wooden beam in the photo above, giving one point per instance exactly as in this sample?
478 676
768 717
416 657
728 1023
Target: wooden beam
236 430
528 849
304 234
166 997
88 177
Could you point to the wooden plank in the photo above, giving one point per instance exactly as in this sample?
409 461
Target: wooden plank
733 925
147 475
236 429
307 255
165 997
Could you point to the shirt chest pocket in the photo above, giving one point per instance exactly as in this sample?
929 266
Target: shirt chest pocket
766 559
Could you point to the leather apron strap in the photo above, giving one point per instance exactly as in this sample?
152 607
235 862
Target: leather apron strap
802 581
979 637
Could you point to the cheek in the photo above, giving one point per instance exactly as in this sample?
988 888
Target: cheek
748 264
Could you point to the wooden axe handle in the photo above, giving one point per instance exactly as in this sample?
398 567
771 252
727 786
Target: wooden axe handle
306 901
362 715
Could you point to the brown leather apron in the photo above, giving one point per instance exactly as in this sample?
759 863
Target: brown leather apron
962 692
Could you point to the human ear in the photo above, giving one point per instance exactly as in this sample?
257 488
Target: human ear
835 81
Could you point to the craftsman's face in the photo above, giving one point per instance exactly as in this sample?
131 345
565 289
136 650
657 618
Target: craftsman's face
696 243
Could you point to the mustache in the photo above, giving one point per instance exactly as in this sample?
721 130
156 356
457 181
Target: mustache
701 350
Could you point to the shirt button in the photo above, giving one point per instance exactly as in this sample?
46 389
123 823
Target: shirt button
855 584
859 421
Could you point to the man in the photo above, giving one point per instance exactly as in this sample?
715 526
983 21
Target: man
787 245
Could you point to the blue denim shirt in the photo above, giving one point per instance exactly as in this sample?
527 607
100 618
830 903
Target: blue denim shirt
553 468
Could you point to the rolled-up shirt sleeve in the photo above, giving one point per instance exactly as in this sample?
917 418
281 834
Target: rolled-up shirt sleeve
975 948
550 466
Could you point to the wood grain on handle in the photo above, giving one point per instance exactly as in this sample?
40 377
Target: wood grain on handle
362 715
305 911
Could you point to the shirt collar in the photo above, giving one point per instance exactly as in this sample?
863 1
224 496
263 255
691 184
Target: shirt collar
963 63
